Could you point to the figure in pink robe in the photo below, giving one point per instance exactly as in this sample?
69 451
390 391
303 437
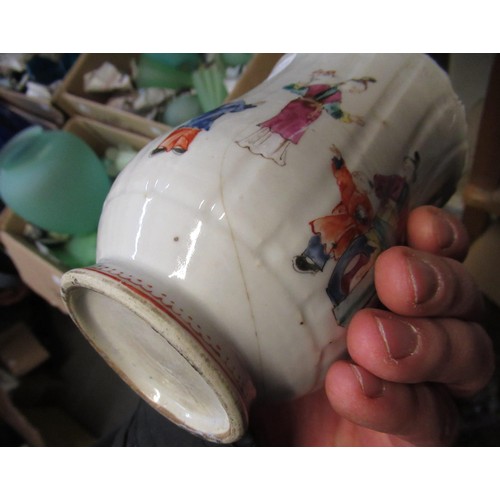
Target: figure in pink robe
274 136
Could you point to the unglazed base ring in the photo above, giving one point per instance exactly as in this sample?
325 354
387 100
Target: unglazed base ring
159 352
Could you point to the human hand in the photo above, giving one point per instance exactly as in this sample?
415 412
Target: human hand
407 363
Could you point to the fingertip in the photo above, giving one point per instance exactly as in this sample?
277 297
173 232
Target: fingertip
349 386
362 398
363 340
437 231
341 386
392 282
410 282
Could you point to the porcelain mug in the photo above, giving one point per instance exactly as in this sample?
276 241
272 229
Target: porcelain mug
233 251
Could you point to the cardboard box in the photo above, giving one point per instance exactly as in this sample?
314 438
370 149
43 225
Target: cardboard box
38 271
38 107
20 350
100 136
72 98
31 118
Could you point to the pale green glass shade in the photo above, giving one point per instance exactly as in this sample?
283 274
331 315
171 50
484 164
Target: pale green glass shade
210 88
181 109
54 180
154 71
233 59
79 251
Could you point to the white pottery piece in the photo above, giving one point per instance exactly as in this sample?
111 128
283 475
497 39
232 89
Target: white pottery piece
233 251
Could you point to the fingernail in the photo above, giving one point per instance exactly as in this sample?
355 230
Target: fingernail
443 231
371 385
400 338
423 278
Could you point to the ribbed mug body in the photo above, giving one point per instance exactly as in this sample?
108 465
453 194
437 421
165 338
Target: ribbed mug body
253 230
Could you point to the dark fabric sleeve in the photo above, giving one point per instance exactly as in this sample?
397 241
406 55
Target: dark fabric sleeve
147 428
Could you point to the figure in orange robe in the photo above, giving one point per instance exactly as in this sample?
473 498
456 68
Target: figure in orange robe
350 218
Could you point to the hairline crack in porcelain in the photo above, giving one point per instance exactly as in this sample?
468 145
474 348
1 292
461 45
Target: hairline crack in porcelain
233 251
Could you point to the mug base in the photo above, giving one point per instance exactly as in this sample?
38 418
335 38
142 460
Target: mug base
159 351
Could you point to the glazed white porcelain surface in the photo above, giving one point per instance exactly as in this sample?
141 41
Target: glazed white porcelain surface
250 243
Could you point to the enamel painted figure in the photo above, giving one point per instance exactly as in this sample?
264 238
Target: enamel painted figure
274 136
179 140
354 234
